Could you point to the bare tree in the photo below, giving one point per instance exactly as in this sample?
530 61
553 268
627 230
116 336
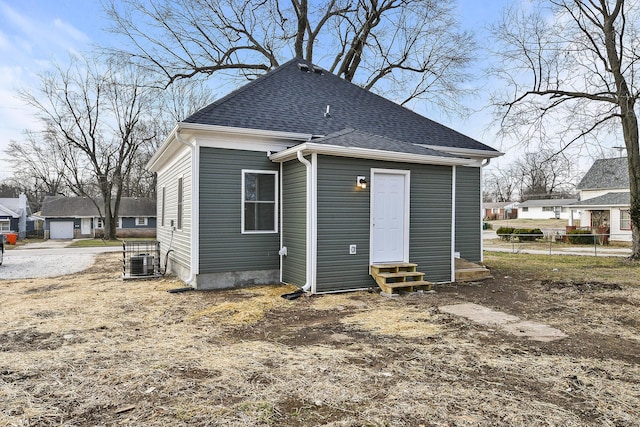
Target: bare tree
94 116
40 171
500 185
543 175
408 49
571 71
168 106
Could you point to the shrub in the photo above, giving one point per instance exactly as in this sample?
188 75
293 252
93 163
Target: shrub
505 232
528 234
580 237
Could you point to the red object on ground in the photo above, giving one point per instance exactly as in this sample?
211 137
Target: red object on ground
12 238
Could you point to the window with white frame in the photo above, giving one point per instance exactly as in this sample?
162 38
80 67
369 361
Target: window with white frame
141 220
625 220
525 209
259 201
164 198
5 225
180 203
99 223
547 209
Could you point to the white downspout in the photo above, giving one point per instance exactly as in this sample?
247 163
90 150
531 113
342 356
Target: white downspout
482 166
454 183
307 163
195 223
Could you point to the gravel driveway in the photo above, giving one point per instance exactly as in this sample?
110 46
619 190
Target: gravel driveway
48 259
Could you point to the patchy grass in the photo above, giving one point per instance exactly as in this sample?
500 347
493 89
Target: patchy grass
568 267
91 349
86 243
529 223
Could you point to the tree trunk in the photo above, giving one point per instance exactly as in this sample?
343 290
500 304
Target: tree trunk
630 131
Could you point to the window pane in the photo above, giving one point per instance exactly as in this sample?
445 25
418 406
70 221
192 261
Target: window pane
266 188
625 220
259 216
250 187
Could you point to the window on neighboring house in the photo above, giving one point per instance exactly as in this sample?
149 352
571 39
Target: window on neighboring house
547 209
180 202
259 201
525 209
99 223
119 222
162 207
141 220
5 225
625 220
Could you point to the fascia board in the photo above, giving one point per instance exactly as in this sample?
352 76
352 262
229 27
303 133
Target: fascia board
367 153
484 154
152 164
293 136
166 150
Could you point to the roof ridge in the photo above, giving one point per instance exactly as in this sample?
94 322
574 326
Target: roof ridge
237 91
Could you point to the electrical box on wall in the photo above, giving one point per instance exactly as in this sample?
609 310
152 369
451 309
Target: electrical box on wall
352 249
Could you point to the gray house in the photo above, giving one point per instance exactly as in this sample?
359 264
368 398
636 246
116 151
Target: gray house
304 178
78 217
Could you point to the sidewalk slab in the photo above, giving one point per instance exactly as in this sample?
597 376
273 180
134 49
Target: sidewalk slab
507 322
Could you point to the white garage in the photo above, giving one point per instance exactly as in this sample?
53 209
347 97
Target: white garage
61 230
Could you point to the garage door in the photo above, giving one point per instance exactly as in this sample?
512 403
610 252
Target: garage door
61 230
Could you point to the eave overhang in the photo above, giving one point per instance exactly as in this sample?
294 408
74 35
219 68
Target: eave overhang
367 153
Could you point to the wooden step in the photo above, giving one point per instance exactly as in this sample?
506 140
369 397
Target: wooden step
401 276
395 265
392 288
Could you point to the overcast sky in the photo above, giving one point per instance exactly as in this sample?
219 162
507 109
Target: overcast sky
33 33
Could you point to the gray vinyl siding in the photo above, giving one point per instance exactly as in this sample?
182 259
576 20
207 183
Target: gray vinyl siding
180 241
223 247
468 232
344 218
294 223
431 218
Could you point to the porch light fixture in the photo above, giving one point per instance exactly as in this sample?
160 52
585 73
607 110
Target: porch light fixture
361 182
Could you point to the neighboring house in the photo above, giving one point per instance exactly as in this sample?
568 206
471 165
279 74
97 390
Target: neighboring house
500 210
605 198
78 217
14 215
545 209
305 178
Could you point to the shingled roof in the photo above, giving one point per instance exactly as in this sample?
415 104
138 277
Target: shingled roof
78 207
609 199
606 174
302 98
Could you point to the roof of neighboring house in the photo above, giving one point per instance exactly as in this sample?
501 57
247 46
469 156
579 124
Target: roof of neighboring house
499 205
301 98
10 206
606 174
609 199
533 203
5 211
55 206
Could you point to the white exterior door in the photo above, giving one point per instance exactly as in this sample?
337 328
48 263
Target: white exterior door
85 226
389 216
61 230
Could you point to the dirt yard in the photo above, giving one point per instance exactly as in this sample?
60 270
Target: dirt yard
90 349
